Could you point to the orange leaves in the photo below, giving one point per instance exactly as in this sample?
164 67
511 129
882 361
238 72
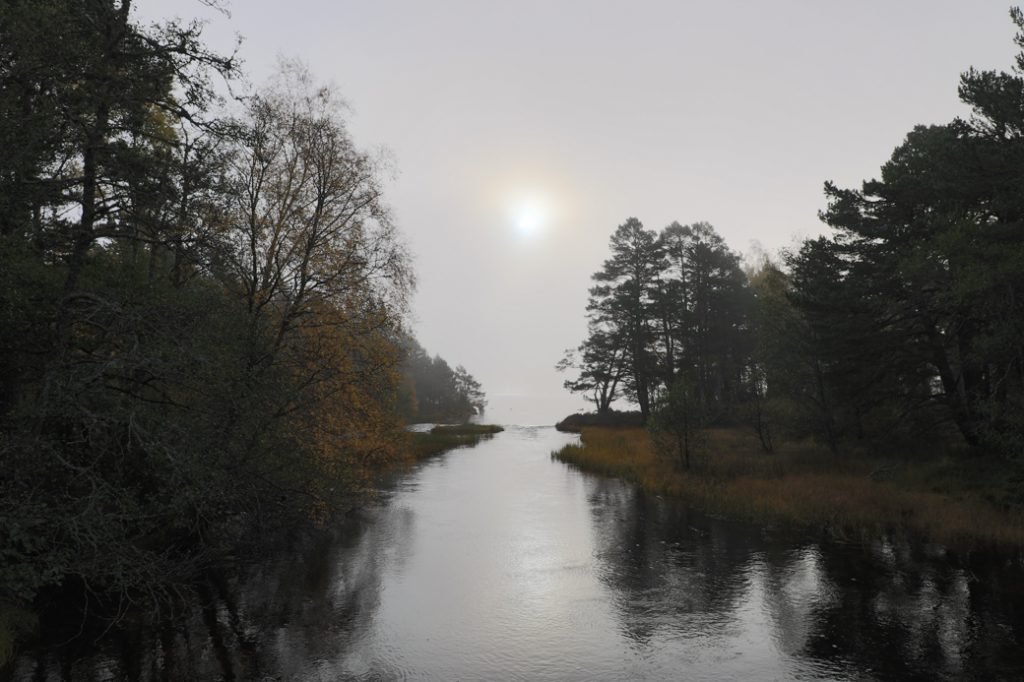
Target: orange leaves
345 368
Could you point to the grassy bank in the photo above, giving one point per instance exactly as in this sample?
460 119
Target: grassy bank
575 423
940 499
445 437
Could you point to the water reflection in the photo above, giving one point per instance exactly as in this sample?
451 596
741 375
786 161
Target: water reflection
497 563
773 606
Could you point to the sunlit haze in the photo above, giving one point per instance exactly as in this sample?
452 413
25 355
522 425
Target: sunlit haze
523 133
530 218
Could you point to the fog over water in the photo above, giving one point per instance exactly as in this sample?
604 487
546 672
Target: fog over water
529 410
523 133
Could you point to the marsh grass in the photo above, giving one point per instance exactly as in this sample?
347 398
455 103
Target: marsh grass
467 429
805 484
443 438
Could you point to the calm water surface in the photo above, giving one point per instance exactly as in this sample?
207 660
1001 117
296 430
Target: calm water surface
497 563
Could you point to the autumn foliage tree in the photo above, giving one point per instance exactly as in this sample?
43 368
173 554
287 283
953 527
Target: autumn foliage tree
200 311
309 248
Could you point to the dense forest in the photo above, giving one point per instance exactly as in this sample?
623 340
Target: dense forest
203 310
902 328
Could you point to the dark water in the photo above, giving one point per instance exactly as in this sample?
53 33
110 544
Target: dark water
497 563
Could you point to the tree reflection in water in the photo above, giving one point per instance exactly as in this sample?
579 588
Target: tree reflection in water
274 620
872 609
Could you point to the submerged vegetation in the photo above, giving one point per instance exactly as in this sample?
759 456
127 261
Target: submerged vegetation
804 483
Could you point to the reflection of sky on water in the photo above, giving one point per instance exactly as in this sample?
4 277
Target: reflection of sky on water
495 562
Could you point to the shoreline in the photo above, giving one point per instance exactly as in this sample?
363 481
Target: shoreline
444 437
803 485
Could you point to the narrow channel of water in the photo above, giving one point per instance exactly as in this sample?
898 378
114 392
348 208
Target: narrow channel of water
498 563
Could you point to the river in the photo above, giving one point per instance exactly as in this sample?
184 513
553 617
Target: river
498 563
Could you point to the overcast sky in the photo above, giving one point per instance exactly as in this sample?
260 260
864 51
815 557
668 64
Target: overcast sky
524 132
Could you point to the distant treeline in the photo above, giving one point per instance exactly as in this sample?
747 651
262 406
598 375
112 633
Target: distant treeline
431 391
203 310
904 327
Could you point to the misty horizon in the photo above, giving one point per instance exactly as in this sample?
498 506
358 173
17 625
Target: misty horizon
588 113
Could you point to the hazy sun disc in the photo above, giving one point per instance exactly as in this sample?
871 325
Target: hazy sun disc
529 220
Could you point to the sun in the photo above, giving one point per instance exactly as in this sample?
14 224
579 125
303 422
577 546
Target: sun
529 218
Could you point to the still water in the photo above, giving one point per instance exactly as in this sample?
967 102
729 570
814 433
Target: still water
497 563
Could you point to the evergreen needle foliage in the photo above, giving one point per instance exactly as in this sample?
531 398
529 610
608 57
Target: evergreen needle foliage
902 331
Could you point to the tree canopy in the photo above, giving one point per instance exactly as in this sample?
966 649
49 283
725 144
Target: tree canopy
903 325
666 307
203 307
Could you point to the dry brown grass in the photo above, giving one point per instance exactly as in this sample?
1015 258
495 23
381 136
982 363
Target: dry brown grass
803 484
